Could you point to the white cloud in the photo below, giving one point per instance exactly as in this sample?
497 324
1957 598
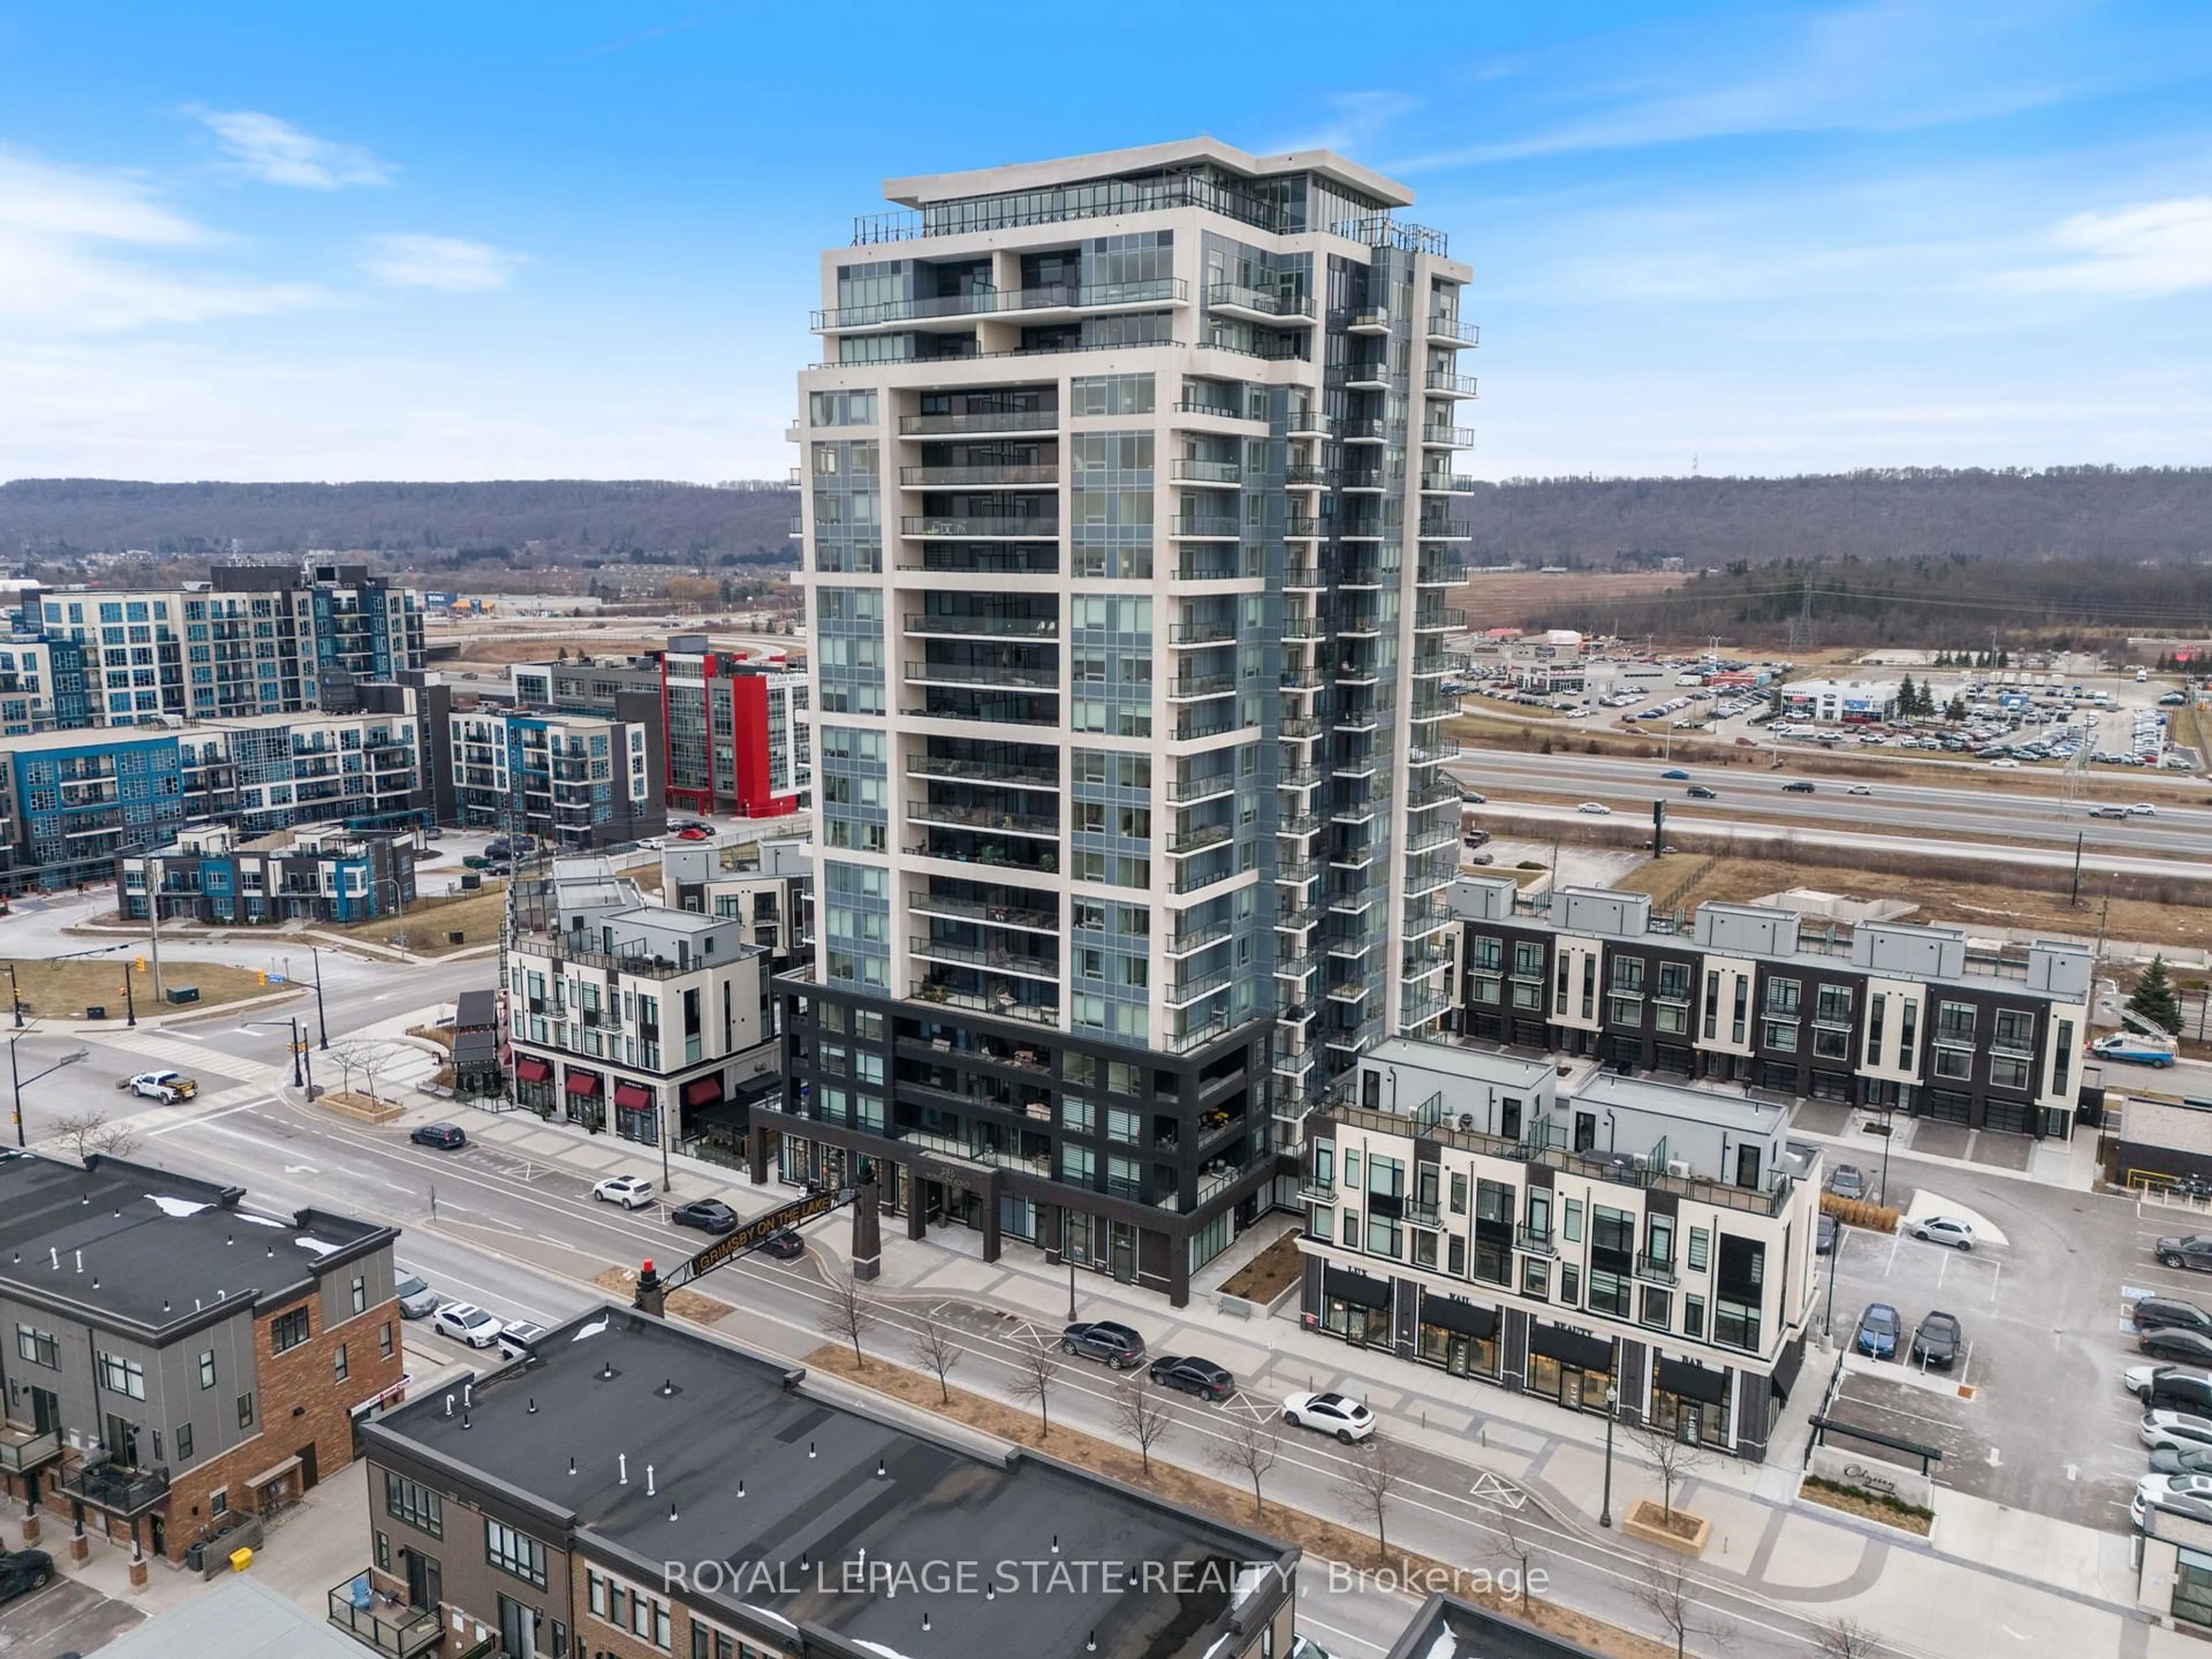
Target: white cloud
1354 121
2142 252
1888 66
76 251
457 266
277 153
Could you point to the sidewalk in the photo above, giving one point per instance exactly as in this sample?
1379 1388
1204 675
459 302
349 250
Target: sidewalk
2049 1581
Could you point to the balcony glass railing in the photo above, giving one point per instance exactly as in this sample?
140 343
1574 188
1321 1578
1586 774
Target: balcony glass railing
983 302
388 1626
998 527
946 425
978 477
1267 302
946 673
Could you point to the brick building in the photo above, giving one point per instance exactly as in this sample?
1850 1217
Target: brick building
174 1359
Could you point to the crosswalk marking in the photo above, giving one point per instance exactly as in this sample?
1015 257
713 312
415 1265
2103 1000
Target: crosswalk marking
189 1059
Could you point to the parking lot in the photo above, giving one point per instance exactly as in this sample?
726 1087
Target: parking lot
2032 1416
67 1617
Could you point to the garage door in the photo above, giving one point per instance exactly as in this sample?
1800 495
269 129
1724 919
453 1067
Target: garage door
1947 1106
2011 1116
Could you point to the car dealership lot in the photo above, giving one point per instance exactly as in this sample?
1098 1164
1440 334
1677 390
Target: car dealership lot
2032 1415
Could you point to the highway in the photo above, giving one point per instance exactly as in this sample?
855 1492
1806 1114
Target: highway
1748 797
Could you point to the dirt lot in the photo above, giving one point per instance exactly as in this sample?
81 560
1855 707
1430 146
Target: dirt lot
68 988
1520 597
1966 903
476 916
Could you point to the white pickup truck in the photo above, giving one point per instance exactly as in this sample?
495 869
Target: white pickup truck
167 1087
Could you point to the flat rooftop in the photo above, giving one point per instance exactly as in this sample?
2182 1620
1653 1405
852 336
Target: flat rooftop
1448 1628
763 1475
1725 1109
1450 1059
133 1246
924 189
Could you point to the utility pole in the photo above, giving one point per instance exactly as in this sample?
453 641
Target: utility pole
2074 899
322 1020
154 919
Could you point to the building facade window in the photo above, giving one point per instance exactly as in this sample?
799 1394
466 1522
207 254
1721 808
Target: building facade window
415 1504
515 1553
287 1330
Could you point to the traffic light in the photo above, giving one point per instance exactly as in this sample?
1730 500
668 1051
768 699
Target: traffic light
141 964
261 975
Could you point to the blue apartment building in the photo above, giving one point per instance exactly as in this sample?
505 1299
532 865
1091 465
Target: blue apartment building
83 799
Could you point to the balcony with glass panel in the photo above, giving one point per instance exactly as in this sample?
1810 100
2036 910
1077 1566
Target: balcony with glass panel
1041 475
973 947
1026 766
1035 304
1018 619
1437 435
1206 526
1276 308
1439 384
986 905
983 992
1369 319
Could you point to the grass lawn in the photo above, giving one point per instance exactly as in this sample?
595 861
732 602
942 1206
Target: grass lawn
1963 904
476 916
66 990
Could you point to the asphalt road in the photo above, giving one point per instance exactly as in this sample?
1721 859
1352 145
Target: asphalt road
523 1239
1749 795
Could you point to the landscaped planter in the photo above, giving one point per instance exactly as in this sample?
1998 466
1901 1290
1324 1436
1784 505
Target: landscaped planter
1681 1531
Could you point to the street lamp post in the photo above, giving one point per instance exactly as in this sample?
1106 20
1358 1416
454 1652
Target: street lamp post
1835 1256
322 1020
16 1080
1612 1416
15 996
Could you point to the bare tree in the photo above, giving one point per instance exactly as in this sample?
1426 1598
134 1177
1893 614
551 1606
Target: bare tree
934 1350
1845 1638
1376 1470
345 1055
849 1313
375 1059
1035 1373
1142 1413
1250 1450
1666 1592
1517 1546
1672 1457
87 1133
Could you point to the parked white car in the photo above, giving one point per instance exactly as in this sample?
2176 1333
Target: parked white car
631 1192
1337 1415
465 1322
1944 1229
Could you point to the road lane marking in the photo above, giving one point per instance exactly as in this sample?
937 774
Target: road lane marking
206 1117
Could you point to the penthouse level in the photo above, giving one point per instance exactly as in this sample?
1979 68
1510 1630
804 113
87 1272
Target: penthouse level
1882 1015
546 1502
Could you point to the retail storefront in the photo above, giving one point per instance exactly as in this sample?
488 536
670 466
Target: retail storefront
637 1115
533 1083
585 1097
1573 1367
1690 1401
1459 1336
1356 1308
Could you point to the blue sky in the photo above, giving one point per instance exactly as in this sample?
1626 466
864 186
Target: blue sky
506 240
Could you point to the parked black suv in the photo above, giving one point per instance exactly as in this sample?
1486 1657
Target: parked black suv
2159 1313
1116 1344
1194 1375
2193 1250
2169 1387
23 1571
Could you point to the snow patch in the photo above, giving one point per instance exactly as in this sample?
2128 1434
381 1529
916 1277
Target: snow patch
770 1612
1445 1647
177 1207
877 1647
251 1220
1249 1579
594 1329
315 1244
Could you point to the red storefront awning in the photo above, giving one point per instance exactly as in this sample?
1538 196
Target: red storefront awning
583 1083
528 1068
703 1090
633 1096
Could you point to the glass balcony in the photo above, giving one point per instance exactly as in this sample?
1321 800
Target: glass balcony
981 626
1186 992
22 1450
1210 787
1450 330
1190 688
975 816
1374 319
978 425
983 771
1260 305
1196 937
1212 631
1438 383
386 1625
1184 842
1440 436
989 301
1435 529
1193 526
979 478
1013 679
996 958
987 911
988 559
1000 1003
1208 472
998 527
